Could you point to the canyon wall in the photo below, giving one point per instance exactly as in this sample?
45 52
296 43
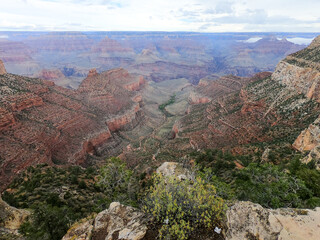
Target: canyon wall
44 123
301 72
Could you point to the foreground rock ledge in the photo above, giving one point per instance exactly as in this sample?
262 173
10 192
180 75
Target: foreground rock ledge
247 220
117 222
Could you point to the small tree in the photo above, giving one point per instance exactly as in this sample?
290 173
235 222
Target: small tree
182 206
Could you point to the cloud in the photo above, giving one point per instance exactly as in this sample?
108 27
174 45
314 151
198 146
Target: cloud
160 15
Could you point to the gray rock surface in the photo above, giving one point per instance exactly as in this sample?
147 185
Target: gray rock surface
247 220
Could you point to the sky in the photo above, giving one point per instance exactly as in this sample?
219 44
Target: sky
161 15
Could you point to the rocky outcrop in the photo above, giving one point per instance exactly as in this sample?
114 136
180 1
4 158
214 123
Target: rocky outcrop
246 220
301 71
11 218
117 222
2 68
309 140
304 79
126 121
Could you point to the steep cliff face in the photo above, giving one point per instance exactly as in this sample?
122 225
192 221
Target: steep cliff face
301 72
41 122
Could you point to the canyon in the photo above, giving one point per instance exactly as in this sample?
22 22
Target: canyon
154 101
116 112
44 123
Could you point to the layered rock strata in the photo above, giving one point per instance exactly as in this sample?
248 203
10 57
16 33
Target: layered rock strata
43 123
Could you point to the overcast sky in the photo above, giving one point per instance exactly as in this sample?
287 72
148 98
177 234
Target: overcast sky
161 15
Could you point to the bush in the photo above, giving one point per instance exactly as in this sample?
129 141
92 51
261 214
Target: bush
180 207
269 186
118 182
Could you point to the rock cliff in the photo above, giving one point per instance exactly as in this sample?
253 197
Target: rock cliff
301 71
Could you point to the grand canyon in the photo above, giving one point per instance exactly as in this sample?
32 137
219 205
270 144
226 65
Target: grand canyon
158 102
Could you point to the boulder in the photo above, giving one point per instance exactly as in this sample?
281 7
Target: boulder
116 222
248 220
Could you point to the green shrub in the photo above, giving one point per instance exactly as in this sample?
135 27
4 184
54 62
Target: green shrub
267 185
183 206
118 182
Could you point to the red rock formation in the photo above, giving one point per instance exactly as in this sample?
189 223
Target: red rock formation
123 121
43 123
